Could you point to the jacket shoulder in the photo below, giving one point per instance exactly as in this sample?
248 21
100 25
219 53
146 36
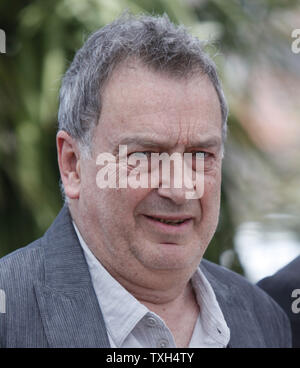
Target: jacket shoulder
21 265
286 278
280 286
18 273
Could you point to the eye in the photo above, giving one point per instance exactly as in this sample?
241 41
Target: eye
139 158
204 157
140 154
201 154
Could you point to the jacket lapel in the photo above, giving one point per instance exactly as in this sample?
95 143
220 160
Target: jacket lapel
68 305
236 308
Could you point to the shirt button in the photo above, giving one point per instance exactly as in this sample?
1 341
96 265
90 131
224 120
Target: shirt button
163 343
151 322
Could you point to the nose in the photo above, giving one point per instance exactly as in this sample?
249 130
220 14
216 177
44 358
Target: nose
176 195
174 187
177 180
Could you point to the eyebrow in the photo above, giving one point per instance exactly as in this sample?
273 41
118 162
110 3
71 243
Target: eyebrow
146 141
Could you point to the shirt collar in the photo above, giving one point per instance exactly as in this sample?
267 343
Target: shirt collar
121 310
212 319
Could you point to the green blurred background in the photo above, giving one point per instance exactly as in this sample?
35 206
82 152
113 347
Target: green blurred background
261 76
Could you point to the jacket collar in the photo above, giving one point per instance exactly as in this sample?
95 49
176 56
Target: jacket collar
68 305
236 306
65 265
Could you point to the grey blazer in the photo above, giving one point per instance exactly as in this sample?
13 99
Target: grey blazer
50 300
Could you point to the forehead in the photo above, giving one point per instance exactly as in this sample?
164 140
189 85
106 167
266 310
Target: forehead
139 101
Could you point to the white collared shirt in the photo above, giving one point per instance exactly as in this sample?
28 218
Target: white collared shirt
130 324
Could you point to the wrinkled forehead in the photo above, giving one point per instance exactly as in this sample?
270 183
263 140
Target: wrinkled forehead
137 100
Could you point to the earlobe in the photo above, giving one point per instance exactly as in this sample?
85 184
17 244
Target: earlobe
69 164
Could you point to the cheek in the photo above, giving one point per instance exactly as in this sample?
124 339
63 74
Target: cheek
118 206
128 200
210 207
210 202
116 215
119 203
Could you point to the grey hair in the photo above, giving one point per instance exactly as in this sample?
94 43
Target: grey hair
155 41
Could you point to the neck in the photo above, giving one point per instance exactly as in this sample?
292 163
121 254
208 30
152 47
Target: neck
170 307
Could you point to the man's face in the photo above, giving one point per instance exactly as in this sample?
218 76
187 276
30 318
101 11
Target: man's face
152 112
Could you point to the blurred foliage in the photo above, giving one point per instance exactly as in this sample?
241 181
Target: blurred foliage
42 36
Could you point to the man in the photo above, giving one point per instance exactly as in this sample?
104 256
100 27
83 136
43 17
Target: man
119 266
284 288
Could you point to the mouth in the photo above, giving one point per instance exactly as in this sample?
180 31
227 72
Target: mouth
175 222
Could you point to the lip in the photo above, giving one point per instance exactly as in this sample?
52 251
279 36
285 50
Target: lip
171 218
170 229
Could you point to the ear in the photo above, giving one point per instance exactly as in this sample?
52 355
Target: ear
69 163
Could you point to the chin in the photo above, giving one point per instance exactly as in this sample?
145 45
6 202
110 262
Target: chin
170 257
